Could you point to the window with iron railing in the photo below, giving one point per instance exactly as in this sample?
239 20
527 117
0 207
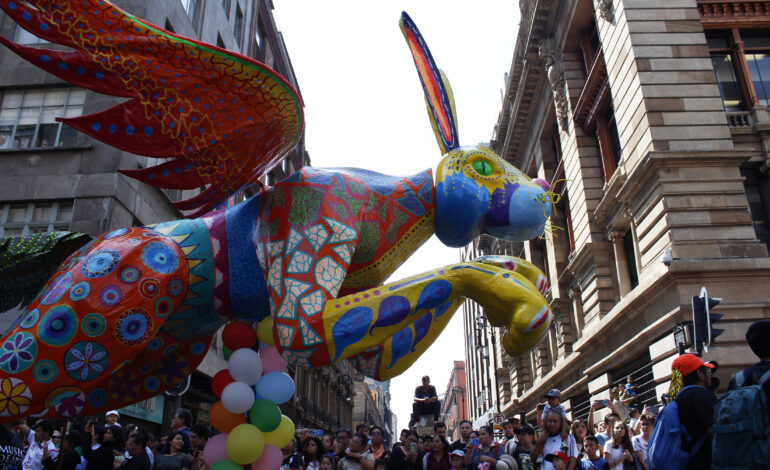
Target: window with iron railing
741 60
28 117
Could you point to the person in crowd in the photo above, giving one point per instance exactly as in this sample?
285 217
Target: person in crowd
405 456
633 420
175 458
56 438
457 459
327 462
553 403
402 437
620 403
619 448
291 457
523 453
110 440
439 428
363 429
465 436
357 457
377 448
509 431
302 434
327 440
199 436
112 418
579 431
631 388
180 423
696 405
11 447
758 338
603 435
485 455
68 454
552 440
425 401
474 435
311 454
379 464
338 450
592 458
147 438
40 443
344 435
641 440
438 457
558 460
138 458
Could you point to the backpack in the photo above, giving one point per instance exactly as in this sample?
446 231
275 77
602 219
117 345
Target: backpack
664 450
741 427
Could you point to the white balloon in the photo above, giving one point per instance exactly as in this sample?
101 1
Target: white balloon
245 366
238 397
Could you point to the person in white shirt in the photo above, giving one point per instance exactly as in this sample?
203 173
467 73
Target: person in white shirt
40 443
640 441
112 418
551 441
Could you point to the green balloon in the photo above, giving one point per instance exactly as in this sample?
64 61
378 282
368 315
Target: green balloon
227 352
265 415
226 465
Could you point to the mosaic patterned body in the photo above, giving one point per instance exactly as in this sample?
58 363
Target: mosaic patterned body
132 313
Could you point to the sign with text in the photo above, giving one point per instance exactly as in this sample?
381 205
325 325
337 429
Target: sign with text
148 410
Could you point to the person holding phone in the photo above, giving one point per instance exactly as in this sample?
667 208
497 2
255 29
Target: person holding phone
485 455
405 456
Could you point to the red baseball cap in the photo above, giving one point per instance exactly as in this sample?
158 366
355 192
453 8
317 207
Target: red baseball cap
687 363
555 455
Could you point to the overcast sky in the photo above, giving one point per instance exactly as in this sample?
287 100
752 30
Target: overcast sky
364 107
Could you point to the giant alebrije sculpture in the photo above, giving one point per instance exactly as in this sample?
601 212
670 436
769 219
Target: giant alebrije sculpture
132 312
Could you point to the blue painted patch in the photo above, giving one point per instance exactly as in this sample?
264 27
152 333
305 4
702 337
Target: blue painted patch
351 328
410 202
441 309
421 328
393 310
400 345
434 294
426 192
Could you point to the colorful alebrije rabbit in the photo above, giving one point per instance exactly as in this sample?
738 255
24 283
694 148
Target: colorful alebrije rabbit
132 312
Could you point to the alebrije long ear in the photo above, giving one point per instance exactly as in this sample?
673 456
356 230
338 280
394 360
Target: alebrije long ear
438 93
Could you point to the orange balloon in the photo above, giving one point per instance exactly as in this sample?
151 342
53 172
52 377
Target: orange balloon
223 420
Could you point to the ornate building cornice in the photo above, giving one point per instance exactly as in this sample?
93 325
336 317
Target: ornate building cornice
715 13
555 72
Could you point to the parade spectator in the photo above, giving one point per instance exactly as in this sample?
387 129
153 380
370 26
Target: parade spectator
327 462
758 338
509 431
327 440
363 429
631 387
199 436
457 458
465 436
40 443
11 447
337 450
438 457
68 458
592 460
405 456
402 437
357 457
523 453
291 457
425 401
311 454
553 403
474 435
110 440
485 455
619 448
180 423
552 440
696 405
377 448
603 432
139 459
633 420
343 436
175 458
145 437
379 464
112 418
579 431
641 441
440 429
558 460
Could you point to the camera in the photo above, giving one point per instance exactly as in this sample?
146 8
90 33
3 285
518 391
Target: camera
667 257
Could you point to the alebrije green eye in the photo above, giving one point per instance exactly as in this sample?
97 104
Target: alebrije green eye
482 167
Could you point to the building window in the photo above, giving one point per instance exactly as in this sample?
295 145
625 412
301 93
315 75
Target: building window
630 254
22 36
34 217
609 141
259 36
238 26
741 59
757 187
226 7
28 117
190 6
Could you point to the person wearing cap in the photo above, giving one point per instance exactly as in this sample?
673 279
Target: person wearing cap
696 405
558 460
112 418
552 441
457 457
758 337
526 436
553 398
425 401
509 431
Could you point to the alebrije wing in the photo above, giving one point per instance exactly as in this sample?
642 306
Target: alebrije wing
26 263
438 94
224 118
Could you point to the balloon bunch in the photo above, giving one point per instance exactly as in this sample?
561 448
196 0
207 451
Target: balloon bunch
253 428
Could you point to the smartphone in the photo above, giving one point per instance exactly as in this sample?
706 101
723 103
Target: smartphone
475 442
602 402
413 447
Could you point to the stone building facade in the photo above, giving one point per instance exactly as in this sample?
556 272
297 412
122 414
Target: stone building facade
650 119
454 406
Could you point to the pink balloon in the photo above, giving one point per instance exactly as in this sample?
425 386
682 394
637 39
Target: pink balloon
216 449
272 361
270 459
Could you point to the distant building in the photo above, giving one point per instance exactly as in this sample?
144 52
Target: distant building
650 119
454 406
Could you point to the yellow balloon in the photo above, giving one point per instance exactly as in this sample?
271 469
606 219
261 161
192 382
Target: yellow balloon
245 444
265 331
282 435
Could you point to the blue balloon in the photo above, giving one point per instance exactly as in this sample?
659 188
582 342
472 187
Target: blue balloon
277 387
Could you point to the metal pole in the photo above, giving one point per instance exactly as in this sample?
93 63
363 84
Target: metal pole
494 359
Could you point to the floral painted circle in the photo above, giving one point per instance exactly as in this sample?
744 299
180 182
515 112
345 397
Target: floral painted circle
149 288
58 326
97 397
160 258
57 289
18 352
45 371
31 318
130 274
85 360
133 327
80 291
100 263
15 396
93 325
110 296
66 401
